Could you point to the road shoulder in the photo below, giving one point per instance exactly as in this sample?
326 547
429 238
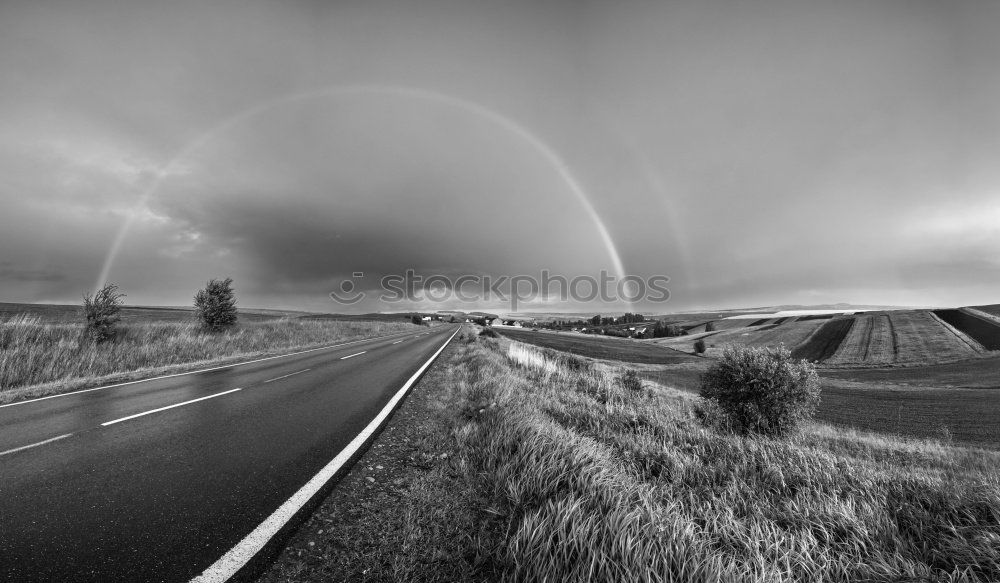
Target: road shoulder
404 512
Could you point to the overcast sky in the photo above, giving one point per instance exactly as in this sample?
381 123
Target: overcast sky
757 153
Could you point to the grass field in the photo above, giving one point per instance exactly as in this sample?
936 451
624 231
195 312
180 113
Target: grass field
724 324
790 334
967 415
38 358
921 338
976 373
602 347
573 477
68 314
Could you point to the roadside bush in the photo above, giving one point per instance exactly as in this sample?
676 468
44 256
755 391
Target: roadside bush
710 327
488 333
699 346
215 306
762 390
417 320
102 311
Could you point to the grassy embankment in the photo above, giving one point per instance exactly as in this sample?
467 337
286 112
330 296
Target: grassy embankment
42 358
574 476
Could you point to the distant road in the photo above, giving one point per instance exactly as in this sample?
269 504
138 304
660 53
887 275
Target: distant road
159 480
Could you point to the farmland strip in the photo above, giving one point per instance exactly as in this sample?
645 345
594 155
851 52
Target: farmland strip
920 337
825 341
983 331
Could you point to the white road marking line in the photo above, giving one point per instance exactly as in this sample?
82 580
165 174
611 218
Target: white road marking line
397 342
106 423
24 447
180 374
286 376
353 355
238 556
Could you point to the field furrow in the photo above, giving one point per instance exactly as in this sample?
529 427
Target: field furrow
882 343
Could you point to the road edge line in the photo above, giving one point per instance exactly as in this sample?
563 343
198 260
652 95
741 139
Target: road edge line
229 564
180 374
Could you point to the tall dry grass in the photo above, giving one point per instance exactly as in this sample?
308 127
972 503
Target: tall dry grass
594 481
34 353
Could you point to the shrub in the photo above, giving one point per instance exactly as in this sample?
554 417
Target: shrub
215 306
415 319
710 327
699 346
762 390
102 311
710 414
488 333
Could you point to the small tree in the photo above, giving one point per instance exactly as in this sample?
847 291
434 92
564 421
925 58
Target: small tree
417 320
762 390
102 311
699 346
215 306
710 327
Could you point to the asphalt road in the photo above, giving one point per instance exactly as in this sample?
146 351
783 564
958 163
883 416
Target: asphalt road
155 481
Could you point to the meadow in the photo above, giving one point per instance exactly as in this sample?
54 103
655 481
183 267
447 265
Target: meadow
574 474
602 347
38 358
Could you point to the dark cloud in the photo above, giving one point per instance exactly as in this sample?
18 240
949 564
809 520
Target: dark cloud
779 152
